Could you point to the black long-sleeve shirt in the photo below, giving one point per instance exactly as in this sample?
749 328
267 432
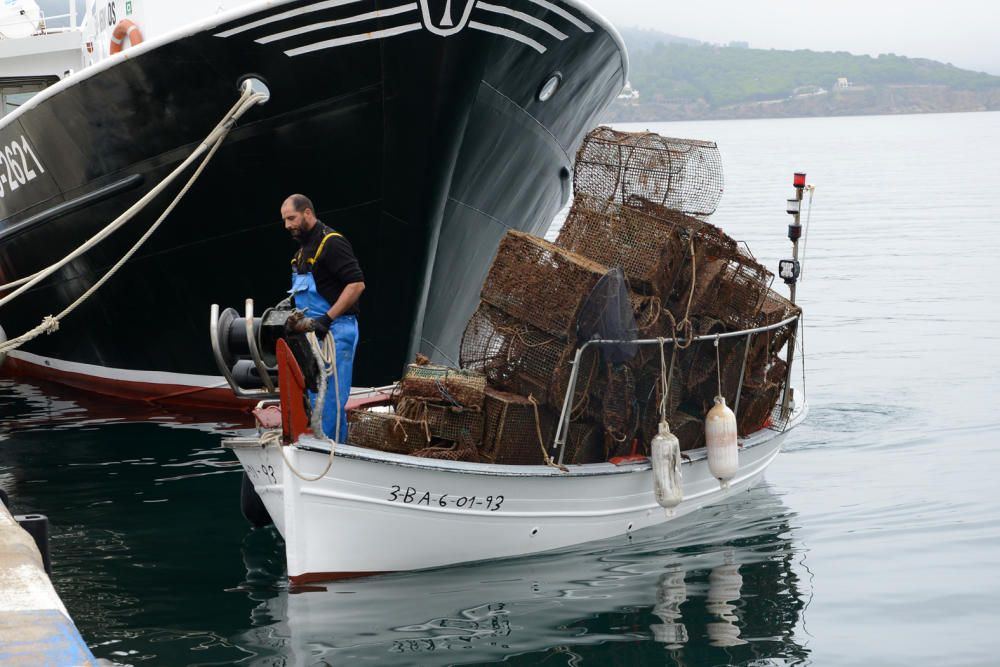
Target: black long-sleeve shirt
334 268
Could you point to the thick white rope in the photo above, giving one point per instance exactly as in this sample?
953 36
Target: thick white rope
211 144
118 222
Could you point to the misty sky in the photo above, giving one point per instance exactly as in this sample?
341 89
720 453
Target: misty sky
965 33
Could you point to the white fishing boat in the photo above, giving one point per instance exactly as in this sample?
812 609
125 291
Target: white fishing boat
347 511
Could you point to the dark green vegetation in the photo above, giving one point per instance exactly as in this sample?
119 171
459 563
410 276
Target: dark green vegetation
678 79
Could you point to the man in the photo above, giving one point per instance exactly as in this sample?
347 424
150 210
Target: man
326 284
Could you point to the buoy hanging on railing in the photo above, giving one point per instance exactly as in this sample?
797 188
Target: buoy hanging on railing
720 441
666 457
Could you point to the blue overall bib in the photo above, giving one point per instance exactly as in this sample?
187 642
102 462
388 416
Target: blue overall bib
344 330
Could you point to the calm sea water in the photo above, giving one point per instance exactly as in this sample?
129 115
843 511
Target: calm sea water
875 540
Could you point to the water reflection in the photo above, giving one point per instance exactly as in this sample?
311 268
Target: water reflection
717 589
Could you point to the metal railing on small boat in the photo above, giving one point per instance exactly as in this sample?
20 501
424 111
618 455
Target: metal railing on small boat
559 446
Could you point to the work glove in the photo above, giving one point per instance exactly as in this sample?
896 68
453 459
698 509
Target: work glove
298 323
321 325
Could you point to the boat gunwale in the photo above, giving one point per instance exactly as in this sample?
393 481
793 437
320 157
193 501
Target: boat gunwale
236 14
311 444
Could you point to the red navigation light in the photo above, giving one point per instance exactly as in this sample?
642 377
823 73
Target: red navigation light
799 180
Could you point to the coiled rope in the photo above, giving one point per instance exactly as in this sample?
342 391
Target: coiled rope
326 357
211 144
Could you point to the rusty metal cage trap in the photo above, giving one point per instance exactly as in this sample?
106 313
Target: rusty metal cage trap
443 422
682 174
444 385
649 249
386 431
512 427
540 283
519 358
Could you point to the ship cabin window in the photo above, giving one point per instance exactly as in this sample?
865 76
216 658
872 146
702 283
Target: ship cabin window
15 92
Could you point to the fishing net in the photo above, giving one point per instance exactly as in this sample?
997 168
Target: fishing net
386 432
607 315
539 283
443 422
522 359
511 429
444 385
648 249
681 174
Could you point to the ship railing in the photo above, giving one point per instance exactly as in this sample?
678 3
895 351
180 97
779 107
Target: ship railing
565 416
70 15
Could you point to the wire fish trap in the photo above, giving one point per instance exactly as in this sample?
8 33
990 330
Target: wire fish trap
512 427
519 358
768 345
743 289
386 432
540 283
444 385
443 422
703 383
757 402
618 403
649 250
729 285
682 174
649 393
690 431
463 450
584 443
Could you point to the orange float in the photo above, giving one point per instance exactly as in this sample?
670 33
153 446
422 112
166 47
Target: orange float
125 29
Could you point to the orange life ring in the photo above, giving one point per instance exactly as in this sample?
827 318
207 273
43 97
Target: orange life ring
125 28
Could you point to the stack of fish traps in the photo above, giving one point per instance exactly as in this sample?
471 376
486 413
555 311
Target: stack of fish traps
640 203
437 412
641 192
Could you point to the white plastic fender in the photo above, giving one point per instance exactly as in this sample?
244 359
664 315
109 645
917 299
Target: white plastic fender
720 441
666 459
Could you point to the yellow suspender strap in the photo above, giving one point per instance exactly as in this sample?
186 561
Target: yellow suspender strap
319 250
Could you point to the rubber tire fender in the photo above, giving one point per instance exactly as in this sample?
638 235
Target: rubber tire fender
252 506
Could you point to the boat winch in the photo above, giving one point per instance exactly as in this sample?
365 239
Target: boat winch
245 348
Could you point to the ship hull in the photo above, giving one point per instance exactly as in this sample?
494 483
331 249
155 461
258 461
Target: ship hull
422 144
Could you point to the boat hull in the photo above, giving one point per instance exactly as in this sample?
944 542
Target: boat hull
422 148
374 512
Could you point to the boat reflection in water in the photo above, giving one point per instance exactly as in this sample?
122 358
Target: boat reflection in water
724 585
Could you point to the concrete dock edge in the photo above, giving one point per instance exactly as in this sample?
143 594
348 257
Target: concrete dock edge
35 628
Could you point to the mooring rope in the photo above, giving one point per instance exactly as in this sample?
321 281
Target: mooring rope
208 148
541 441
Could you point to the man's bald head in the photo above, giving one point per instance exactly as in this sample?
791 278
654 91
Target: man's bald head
298 214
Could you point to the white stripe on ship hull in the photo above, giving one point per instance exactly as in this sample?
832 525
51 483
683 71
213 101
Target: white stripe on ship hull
353 39
121 374
504 32
339 22
521 16
292 13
